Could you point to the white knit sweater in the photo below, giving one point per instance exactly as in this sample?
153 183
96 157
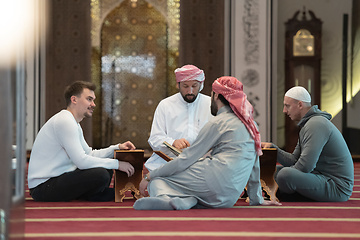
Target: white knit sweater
60 147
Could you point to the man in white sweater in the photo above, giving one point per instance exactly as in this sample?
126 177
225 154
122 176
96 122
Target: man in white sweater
62 166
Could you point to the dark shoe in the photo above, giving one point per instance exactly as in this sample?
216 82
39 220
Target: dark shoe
244 194
293 197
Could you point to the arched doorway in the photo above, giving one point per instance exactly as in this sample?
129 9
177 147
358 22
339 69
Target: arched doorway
136 64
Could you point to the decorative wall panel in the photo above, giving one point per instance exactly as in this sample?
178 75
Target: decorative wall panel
133 66
202 38
201 25
251 57
67 53
132 69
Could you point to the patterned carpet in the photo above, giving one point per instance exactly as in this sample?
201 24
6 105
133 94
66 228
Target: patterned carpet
88 220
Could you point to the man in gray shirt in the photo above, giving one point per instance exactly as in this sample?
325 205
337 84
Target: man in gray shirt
218 180
321 166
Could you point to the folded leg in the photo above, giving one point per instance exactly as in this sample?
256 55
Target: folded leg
153 203
183 203
313 186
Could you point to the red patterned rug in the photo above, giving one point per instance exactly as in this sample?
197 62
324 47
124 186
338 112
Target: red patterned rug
88 220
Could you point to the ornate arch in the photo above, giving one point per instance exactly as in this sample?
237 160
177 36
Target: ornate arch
133 66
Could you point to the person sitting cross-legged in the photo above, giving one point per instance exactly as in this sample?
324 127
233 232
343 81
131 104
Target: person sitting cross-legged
62 166
321 167
216 181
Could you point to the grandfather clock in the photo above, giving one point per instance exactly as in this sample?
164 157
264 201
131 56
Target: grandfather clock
302 64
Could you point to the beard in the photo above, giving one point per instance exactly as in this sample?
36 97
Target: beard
214 108
189 98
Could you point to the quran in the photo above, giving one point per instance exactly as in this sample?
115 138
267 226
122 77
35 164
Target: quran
173 149
163 156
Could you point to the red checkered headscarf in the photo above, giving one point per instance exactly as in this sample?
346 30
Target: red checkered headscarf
232 90
189 73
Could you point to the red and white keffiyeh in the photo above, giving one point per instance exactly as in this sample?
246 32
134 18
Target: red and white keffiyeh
189 73
232 90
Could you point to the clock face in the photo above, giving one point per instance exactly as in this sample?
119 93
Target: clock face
303 43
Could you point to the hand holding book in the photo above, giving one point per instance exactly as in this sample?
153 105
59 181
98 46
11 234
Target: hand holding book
173 149
181 143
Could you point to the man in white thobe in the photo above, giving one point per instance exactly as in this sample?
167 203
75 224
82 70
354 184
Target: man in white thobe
179 118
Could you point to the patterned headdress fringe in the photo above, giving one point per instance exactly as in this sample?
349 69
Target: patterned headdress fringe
232 90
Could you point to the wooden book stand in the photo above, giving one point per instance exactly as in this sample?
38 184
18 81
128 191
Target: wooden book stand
267 170
124 183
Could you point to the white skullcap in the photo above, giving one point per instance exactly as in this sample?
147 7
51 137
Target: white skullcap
298 93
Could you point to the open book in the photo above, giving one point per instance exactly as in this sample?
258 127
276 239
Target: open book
163 156
173 149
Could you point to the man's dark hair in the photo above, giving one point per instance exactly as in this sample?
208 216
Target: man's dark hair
76 89
223 100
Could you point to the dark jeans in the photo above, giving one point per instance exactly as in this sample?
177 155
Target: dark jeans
89 184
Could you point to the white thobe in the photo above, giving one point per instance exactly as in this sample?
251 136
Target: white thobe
174 118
